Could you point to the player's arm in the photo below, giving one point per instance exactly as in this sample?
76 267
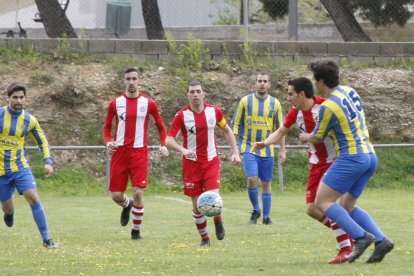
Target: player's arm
237 119
309 137
282 141
274 138
323 126
172 143
231 140
38 135
162 131
107 129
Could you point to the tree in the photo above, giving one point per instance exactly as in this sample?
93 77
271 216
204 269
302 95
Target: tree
152 19
345 21
54 19
379 12
383 12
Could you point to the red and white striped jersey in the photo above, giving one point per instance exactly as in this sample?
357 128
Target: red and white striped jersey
198 130
131 116
320 153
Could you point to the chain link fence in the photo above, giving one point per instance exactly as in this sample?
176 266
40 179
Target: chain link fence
262 20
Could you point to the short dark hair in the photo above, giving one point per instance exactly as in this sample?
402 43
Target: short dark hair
194 83
263 74
327 70
15 87
129 70
302 84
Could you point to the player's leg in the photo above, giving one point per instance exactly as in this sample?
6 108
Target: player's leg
201 223
250 166
118 181
316 172
211 182
265 172
339 178
6 198
8 210
25 183
192 177
383 245
139 178
137 212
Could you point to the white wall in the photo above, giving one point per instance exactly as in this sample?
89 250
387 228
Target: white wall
91 14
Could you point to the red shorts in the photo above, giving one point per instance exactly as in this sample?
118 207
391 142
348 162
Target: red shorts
128 162
315 176
200 176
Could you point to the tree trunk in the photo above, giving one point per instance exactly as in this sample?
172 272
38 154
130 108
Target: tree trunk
54 19
152 19
345 21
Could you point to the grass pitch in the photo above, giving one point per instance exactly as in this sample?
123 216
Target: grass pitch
92 242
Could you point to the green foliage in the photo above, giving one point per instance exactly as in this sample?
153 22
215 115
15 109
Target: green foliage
41 78
225 14
275 8
65 51
24 54
251 55
191 55
383 12
69 95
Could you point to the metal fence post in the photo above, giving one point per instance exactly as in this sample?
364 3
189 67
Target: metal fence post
293 20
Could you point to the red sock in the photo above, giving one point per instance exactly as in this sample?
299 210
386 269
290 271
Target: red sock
137 216
201 224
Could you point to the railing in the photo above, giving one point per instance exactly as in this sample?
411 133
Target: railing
280 167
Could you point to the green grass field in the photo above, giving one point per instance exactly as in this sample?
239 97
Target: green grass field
92 242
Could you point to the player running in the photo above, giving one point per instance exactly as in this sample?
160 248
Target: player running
304 114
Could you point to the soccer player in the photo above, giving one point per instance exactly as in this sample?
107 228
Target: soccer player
342 117
15 173
197 123
321 155
257 115
129 147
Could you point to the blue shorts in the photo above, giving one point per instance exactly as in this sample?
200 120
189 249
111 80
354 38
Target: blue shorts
258 166
351 173
22 180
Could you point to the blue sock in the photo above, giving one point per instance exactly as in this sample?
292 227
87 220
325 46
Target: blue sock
254 198
367 222
40 219
341 217
267 204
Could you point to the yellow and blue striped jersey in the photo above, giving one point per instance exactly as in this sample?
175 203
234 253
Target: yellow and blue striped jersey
254 120
14 127
342 117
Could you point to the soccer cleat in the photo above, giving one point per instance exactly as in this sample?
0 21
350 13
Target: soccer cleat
267 221
9 219
205 243
360 245
381 249
135 235
49 244
220 233
126 213
342 257
254 217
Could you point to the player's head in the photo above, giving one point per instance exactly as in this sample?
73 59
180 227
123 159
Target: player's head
299 91
131 80
17 96
195 93
325 72
262 84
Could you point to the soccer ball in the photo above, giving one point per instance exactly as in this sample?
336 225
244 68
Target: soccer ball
210 204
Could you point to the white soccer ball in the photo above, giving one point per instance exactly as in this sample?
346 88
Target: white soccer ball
210 204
